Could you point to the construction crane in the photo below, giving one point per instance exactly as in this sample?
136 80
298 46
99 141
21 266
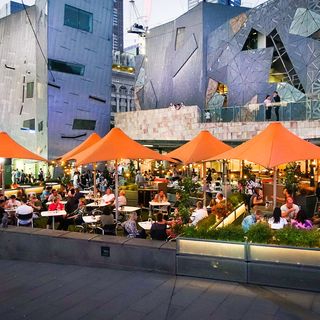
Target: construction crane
137 27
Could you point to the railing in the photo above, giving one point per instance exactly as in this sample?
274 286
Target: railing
291 111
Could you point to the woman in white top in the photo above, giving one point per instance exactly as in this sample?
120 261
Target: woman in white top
277 222
268 104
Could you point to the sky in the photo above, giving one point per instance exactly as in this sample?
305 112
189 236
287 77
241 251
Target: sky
151 12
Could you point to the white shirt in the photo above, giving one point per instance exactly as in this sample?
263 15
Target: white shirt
108 198
198 215
76 181
13 203
292 214
278 225
122 201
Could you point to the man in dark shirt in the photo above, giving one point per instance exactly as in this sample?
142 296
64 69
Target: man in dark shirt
276 100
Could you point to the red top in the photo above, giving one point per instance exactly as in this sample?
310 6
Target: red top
56 206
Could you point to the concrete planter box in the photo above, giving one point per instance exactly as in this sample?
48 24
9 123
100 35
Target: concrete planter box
270 265
212 259
290 267
54 246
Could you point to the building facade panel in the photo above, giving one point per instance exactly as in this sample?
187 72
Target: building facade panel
83 96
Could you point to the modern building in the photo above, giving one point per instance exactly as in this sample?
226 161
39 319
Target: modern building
117 21
193 3
234 57
174 69
11 7
56 61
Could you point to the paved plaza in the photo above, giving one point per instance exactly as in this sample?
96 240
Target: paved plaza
31 290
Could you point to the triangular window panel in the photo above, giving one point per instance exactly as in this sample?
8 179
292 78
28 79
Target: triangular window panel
282 69
255 40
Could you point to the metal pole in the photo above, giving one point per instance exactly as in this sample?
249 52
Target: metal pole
274 187
2 177
205 183
116 191
94 180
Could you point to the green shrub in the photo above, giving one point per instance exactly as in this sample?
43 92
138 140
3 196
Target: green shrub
229 233
207 223
260 233
298 238
236 198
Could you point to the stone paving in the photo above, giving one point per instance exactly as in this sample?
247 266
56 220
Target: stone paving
31 290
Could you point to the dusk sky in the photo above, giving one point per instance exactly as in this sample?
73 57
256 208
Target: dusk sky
151 12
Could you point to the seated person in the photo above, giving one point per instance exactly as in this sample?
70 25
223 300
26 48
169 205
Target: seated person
175 224
107 218
45 194
301 221
54 194
108 198
35 204
199 214
56 205
70 207
276 222
257 198
3 214
219 198
160 197
13 202
159 228
73 217
24 209
122 200
130 227
289 210
253 218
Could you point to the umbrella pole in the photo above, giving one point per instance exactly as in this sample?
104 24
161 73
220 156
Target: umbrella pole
94 180
204 184
274 187
116 191
2 177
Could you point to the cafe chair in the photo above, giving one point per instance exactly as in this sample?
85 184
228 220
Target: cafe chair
108 229
25 220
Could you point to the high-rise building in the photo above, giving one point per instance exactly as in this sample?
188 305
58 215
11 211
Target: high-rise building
235 3
117 44
56 74
11 7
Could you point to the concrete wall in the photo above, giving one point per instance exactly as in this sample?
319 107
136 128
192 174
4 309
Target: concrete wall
23 243
184 124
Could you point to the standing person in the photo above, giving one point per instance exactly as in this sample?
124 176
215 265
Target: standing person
76 180
41 175
268 104
276 100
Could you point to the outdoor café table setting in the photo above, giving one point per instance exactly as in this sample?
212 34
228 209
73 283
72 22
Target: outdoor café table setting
50 202
97 203
53 213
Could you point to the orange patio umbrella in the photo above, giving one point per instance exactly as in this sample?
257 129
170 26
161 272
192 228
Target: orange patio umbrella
116 145
91 140
275 145
11 149
200 148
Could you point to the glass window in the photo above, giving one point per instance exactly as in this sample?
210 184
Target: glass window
30 87
66 67
40 126
77 18
29 124
81 124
